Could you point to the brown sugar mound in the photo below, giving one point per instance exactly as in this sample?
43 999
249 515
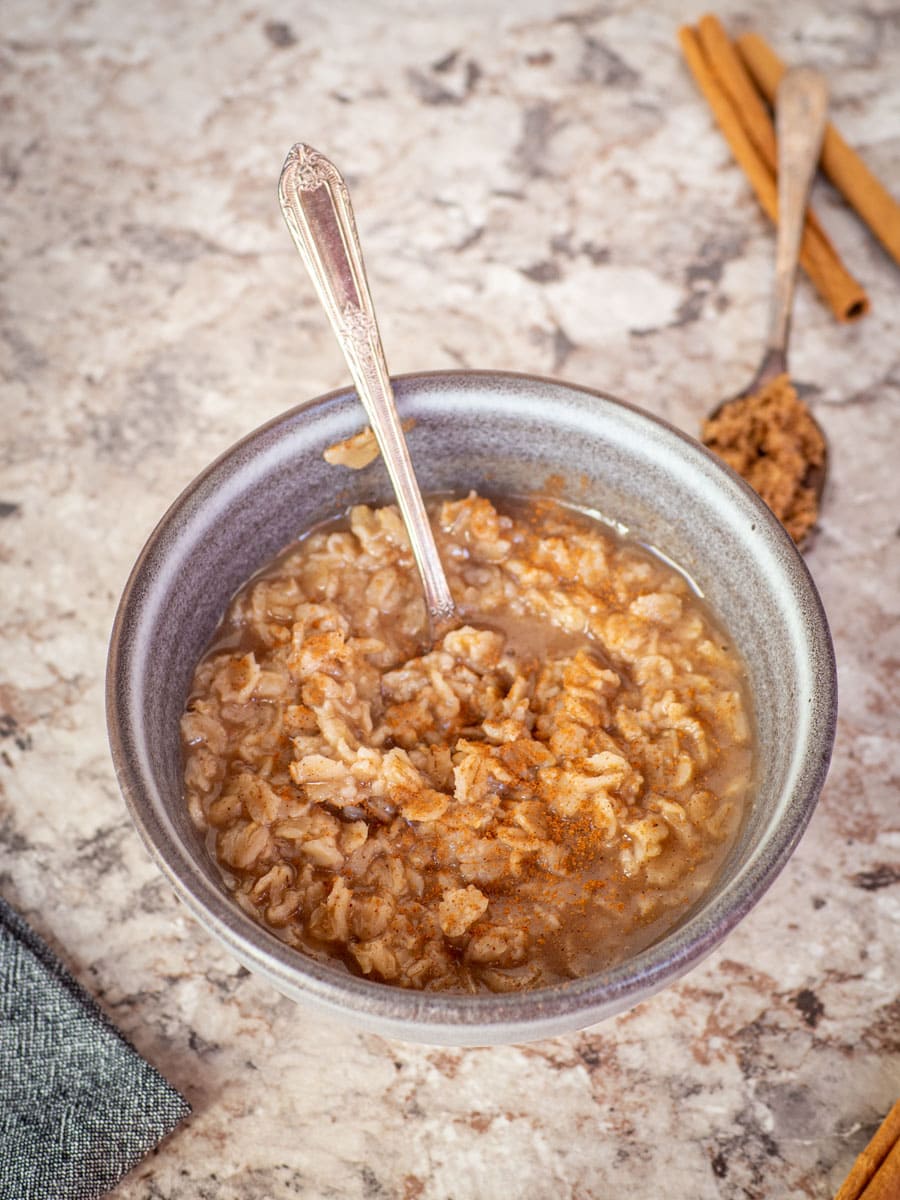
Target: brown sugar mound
771 440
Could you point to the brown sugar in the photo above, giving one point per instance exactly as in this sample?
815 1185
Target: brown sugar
771 439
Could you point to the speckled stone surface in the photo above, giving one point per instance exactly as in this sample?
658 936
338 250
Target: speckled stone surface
539 187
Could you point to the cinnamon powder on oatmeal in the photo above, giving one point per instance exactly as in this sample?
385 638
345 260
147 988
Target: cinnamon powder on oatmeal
525 802
771 440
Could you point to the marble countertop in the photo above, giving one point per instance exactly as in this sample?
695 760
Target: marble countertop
539 187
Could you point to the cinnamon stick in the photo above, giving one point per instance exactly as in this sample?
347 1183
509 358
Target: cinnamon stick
885 1183
735 79
747 102
843 294
878 1166
843 166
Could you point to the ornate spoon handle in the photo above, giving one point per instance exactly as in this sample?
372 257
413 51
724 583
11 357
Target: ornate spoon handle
316 206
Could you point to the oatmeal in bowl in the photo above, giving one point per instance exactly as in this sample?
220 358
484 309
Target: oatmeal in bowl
498 812
535 822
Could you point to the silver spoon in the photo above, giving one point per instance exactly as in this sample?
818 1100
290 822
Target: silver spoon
801 114
316 205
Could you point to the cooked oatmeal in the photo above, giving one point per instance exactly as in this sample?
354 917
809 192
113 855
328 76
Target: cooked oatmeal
541 794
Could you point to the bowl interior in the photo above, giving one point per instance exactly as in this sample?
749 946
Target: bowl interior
503 435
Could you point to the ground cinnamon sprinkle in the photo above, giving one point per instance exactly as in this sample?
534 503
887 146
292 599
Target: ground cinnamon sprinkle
771 440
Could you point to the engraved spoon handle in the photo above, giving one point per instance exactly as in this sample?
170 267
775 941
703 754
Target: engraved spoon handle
316 206
801 113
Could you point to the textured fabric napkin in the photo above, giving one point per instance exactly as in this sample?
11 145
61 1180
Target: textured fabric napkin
78 1105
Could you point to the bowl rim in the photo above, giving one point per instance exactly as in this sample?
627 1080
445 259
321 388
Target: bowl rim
450 1016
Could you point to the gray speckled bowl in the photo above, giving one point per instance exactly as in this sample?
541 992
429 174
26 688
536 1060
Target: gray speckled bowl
503 434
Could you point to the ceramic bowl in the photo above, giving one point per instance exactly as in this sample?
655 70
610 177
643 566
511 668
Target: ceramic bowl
502 434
